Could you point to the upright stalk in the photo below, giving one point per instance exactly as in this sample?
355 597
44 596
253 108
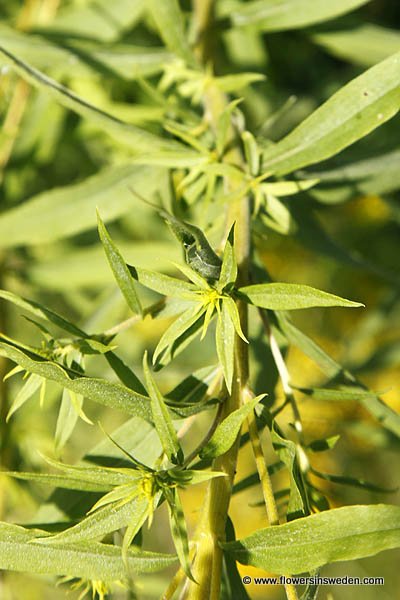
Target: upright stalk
207 568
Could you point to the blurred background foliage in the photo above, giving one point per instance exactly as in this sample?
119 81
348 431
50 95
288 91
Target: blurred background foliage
56 167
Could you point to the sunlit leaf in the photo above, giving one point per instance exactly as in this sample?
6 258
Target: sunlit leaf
291 296
354 111
304 544
225 342
170 24
178 529
30 386
287 452
91 560
177 329
119 268
102 391
136 138
228 430
278 15
162 418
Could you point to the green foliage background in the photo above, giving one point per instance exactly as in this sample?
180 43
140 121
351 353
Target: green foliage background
342 235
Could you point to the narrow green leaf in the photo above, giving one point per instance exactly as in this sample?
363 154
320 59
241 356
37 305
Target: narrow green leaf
177 329
162 419
30 386
138 139
354 482
354 111
86 480
288 188
234 583
322 445
119 268
385 415
105 520
299 339
178 529
305 544
225 343
89 560
224 123
287 452
291 296
252 153
124 373
102 391
227 431
87 59
41 311
363 44
60 213
66 420
280 15
228 273
276 215
169 20
233 311
192 476
177 347
193 276
163 284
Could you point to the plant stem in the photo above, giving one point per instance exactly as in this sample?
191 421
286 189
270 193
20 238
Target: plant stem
265 480
207 568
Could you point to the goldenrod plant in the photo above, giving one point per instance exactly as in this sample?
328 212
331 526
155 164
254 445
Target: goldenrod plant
190 193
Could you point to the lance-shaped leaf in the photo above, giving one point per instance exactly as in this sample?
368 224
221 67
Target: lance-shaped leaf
234 584
119 268
350 114
228 273
280 15
163 284
233 311
192 477
90 479
363 44
161 417
136 138
69 413
305 544
287 452
354 482
225 343
38 310
296 337
227 431
177 329
89 560
109 518
291 296
87 59
30 386
178 529
124 373
169 20
102 391
371 402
